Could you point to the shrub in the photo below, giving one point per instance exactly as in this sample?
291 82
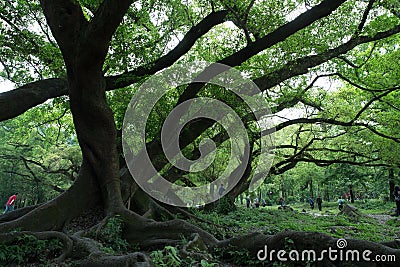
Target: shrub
166 257
111 237
235 255
226 205
27 249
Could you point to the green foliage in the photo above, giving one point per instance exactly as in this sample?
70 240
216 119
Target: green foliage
28 249
39 152
170 256
395 222
166 257
376 206
271 221
110 236
204 263
235 255
225 205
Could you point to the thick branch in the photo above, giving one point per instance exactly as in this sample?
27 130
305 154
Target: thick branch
322 10
16 102
302 65
33 94
167 60
101 29
66 21
365 16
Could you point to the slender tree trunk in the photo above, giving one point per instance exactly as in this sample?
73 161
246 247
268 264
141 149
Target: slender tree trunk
327 198
391 184
351 193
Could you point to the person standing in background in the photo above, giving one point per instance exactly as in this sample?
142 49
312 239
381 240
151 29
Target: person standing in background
248 201
340 202
221 190
10 203
311 203
281 201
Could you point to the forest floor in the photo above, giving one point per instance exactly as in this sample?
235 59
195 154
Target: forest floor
381 218
377 225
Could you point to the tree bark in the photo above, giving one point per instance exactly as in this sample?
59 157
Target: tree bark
84 47
351 193
391 184
311 188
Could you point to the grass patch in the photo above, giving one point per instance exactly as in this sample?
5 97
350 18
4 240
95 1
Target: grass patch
270 221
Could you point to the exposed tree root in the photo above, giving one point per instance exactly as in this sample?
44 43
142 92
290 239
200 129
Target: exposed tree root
8 238
101 225
189 215
194 248
318 242
56 213
150 234
10 216
392 244
93 256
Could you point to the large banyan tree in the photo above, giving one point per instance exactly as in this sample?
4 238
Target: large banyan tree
83 51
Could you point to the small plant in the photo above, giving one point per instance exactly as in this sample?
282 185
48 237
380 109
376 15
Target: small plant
204 263
111 237
28 249
166 257
289 243
235 255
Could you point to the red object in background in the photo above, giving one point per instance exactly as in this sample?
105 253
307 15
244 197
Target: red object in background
11 200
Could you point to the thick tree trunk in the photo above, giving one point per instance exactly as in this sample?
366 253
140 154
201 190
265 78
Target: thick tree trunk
96 131
84 46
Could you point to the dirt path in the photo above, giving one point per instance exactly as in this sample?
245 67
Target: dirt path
382 219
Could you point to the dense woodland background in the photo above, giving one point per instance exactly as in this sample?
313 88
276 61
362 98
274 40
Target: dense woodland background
330 71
